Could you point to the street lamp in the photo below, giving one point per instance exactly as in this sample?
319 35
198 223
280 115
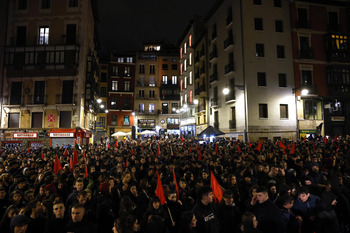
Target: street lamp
195 101
225 91
102 106
304 91
106 111
99 101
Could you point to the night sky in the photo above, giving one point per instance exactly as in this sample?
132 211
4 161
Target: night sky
125 24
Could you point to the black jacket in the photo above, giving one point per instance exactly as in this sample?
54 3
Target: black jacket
208 221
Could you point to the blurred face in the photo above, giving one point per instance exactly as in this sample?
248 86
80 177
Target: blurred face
77 214
82 199
262 197
172 197
228 200
289 205
20 228
156 205
182 184
58 210
303 197
233 180
79 186
2 194
11 214
133 190
208 197
136 226
255 223
193 222
204 175
17 198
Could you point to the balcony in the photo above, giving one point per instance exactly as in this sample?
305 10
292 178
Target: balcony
66 99
169 86
229 68
228 43
305 24
213 56
173 126
232 124
201 108
228 20
142 84
49 60
40 100
200 89
202 53
213 36
196 75
213 77
170 97
231 95
214 102
202 70
312 89
306 53
335 53
125 123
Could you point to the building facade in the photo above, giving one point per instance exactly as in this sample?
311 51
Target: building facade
50 74
320 34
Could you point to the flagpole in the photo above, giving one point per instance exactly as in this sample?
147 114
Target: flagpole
171 217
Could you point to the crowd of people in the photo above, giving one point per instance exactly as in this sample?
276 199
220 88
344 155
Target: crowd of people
268 186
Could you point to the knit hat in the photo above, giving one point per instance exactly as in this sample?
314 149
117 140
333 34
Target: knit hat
18 220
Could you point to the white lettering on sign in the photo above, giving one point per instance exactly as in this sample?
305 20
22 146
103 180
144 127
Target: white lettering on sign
25 135
61 135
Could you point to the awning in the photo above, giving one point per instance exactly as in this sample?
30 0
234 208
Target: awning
62 133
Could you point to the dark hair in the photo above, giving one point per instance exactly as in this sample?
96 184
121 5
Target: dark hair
247 222
303 189
262 189
185 221
78 206
201 191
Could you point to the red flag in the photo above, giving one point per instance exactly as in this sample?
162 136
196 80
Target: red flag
217 191
313 146
28 151
57 166
143 148
325 140
116 143
239 149
75 141
197 146
338 148
335 138
137 143
160 190
293 148
200 156
250 144
75 157
191 149
109 146
304 139
216 149
132 152
127 162
176 186
42 154
259 146
158 150
65 153
282 145
70 164
171 151
182 139
85 166
288 146
185 145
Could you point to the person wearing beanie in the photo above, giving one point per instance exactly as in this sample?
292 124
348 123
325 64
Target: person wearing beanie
19 224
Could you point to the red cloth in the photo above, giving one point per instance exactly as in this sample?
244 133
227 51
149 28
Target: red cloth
293 148
216 149
57 166
65 153
158 150
282 145
259 146
132 152
239 149
42 154
116 144
200 156
75 157
160 190
104 188
325 140
217 191
176 186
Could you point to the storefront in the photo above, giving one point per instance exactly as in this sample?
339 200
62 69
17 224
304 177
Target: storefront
59 137
23 139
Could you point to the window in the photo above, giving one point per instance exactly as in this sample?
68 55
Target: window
129 59
103 77
37 120
190 59
312 110
45 4
257 2
73 3
141 108
115 71
181 85
306 77
174 107
180 53
114 102
13 121
67 90
126 85
165 66
165 108
280 51
165 79
261 79
263 111
333 24
126 120
277 3
141 93
71 33
152 69
44 35
191 96
114 120
260 50
114 85
21 35
39 92
185 48
65 119
142 68
174 66
185 64
127 71
284 111
16 93
186 100
282 80
190 79
103 92
102 122
126 104
279 25
151 108
151 94
258 24
181 100
190 41
22 5
174 79
120 59
152 82
185 82
303 20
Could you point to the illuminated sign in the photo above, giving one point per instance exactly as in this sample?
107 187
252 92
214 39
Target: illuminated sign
61 135
25 135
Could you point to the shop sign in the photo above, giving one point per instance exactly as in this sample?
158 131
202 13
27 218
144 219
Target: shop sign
25 135
61 135
337 118
51 117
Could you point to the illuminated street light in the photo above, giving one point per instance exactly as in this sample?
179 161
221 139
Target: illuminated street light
225 91
195 101
99 101
106 111
102 106
185 106
178 111
304 92
174 109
